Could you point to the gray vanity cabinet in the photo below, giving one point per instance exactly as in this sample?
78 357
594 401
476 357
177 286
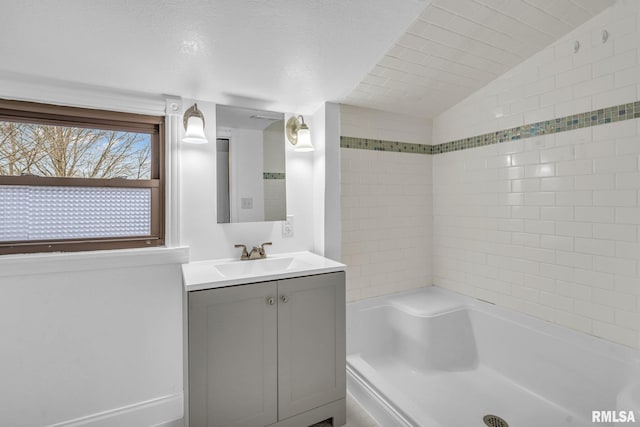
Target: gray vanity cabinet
270 353
233 356
311 343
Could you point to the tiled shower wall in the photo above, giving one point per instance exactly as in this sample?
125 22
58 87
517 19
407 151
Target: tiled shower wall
557 81
549 225
386 205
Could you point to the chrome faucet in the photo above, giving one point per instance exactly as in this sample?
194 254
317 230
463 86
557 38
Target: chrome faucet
257 252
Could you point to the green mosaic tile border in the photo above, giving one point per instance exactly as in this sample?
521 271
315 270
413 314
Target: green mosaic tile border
577 121
382 145
273 175
562 124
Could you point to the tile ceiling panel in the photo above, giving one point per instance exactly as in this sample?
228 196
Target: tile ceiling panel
457 46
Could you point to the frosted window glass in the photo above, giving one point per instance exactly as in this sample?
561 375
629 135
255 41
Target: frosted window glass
52 213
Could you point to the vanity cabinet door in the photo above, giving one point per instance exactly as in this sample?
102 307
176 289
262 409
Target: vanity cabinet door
311 342
233 356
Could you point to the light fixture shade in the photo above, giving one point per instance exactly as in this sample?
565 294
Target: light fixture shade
298 134
304 140
195 131
194 126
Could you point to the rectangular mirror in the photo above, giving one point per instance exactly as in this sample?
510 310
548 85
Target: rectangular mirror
250 166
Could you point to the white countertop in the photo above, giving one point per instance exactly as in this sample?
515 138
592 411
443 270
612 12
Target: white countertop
201 275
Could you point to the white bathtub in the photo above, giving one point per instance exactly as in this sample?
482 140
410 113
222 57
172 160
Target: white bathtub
432 357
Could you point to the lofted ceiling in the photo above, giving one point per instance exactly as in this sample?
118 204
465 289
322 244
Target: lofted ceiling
457 46
282 55
416 57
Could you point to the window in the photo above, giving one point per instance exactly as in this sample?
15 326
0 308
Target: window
78 179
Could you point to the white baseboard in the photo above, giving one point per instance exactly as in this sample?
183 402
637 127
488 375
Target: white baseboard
166 411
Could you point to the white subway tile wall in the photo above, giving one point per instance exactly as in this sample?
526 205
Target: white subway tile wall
374 124
550 225
275 199
562 245
386 221
386 205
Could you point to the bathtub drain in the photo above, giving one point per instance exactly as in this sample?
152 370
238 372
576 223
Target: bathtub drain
494 421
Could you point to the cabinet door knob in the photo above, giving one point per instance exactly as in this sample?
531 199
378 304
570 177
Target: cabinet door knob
271 300
284 298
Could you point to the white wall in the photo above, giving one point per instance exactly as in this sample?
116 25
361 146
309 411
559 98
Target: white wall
325 137
305 176
92 339
332 212
549 225
86 334
99 342
318 184
386 205
198 228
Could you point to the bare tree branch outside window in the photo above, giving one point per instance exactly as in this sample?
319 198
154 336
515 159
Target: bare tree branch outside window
58 186
59 151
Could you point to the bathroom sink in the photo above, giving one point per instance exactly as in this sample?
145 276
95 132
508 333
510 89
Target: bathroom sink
254 267
218 273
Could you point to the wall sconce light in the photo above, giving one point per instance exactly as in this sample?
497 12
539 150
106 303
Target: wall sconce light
298 134
194 126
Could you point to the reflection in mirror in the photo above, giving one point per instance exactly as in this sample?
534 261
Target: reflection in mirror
250 168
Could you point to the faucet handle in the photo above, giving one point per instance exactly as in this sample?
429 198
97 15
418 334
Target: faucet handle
245 254
263 254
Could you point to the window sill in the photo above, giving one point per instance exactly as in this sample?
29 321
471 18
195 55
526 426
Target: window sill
57 262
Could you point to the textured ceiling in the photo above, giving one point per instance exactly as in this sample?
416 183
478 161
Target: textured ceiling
284 55
457 46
